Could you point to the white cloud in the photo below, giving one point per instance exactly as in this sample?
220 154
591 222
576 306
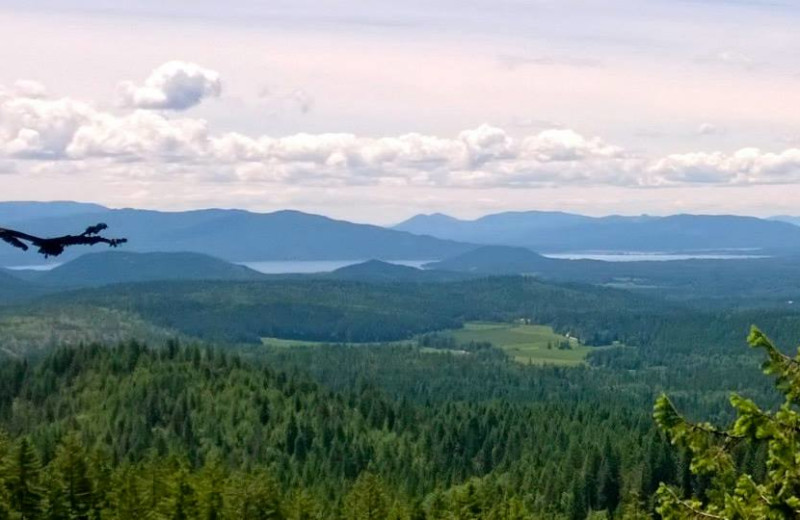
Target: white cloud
567 145
487 143
746 166
140 135
175 85
144 144
40 128
29 88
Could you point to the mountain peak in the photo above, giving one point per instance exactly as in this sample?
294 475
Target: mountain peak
427 219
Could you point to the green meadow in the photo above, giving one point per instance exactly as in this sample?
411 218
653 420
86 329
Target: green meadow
536 344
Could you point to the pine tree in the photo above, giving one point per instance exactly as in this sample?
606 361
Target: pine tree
153 482
100 474
211 487
610 480
127 501
301 505
367 499
254 496
71 470
734 494
578 503
181 503
23 481
591 471
5 498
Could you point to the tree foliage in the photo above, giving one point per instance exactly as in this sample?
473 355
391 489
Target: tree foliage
735 492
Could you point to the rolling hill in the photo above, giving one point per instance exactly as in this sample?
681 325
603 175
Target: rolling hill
378 271
498 260
13 289
112 267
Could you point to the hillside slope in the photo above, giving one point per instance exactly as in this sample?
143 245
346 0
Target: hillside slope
378 271
112 267
13 289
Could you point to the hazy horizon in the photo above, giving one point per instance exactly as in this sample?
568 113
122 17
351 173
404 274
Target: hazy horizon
460 215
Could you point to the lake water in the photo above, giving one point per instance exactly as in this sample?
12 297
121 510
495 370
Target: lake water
653 257
316 266
326 266
41 267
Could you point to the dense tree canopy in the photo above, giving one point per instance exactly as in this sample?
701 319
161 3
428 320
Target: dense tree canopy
127 431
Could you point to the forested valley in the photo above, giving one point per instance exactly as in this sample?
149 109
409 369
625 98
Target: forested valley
164 400
399 260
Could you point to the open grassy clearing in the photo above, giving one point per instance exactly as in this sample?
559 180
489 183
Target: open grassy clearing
537 344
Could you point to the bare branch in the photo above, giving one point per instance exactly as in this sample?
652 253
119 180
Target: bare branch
55 246
698 513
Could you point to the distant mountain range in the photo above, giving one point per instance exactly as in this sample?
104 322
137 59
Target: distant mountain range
242 236
564 232
787 218
11 212
232 235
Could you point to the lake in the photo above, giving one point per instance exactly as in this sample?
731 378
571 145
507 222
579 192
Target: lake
38 267
326 266
624 256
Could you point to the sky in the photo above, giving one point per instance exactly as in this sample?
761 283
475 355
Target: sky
375 110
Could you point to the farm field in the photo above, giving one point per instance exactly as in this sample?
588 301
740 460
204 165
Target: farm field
525 343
